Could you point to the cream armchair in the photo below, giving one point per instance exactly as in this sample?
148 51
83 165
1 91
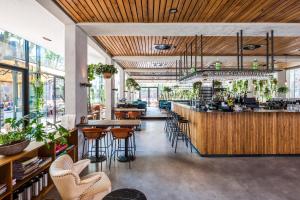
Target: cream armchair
65 175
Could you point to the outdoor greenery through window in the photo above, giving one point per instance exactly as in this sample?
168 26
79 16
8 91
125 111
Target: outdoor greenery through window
46 76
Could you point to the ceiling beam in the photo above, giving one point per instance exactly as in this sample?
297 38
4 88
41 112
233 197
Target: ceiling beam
189 29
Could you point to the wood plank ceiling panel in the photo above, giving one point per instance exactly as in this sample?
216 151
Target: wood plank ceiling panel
212 45
149 11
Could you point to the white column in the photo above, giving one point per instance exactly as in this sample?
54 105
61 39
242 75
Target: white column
281 81
109 95
122 83
76 71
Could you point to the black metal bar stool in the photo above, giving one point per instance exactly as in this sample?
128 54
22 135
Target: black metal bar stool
97 146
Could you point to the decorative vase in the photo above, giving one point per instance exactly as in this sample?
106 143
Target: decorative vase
14 148
107 75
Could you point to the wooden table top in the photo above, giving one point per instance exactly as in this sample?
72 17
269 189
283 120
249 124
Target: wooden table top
111 123
129 109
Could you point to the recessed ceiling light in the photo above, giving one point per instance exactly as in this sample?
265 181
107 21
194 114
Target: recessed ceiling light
173 10
162 46
48 39
251 46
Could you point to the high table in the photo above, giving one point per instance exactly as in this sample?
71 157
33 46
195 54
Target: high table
113 123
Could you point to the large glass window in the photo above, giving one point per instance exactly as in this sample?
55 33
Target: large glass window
12 49
294 83
51 60
42 63
97 95
11 101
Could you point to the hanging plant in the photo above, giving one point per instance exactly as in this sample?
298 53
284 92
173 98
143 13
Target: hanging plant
91 71
131 84
38 89
106 70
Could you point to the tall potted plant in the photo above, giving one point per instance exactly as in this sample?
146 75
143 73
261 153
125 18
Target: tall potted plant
106 70
19 132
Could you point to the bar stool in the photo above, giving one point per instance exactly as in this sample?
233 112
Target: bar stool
119 134
182 133
99 149
134 115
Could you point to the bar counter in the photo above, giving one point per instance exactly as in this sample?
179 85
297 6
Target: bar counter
243 133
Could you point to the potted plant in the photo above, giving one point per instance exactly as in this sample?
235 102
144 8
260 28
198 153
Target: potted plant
283 89
19 132
131 84
106 70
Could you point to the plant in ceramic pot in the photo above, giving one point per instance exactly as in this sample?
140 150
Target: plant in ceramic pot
106 70
19 132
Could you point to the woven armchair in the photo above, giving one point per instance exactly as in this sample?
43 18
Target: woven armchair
65 175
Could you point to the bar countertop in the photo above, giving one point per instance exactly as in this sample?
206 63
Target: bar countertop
260 110
258 132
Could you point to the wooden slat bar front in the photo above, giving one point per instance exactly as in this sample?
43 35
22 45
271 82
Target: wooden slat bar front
243 133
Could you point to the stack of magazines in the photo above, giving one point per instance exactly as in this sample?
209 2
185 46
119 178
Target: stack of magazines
26 166
3 188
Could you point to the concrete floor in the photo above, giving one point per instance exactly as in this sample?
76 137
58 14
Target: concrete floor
163 175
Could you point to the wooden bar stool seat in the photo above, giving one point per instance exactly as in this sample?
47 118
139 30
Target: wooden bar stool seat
118 135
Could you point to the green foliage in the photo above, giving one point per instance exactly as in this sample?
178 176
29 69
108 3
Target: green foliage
283 89
105 68
29 127
217 84
167 89
197 88
91 71
38 89
131 84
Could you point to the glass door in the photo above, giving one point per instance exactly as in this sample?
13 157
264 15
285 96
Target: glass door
150 95
59 98
153 97
11 95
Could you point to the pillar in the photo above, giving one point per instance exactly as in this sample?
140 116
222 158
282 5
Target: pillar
109 94
122 83
76 71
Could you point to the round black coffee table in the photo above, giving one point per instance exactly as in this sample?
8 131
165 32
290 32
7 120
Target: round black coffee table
125 194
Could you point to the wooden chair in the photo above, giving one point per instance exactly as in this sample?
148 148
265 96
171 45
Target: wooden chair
119 134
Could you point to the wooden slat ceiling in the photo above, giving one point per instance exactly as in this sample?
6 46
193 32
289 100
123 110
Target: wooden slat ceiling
212 45
149 11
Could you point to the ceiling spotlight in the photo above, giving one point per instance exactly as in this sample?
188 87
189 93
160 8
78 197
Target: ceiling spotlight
251 46
162 46
173 10
47 39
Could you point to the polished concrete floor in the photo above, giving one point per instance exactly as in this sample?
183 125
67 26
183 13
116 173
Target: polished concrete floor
163 175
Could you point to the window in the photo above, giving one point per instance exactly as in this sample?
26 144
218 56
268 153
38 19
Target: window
12 49
294 83
11 97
